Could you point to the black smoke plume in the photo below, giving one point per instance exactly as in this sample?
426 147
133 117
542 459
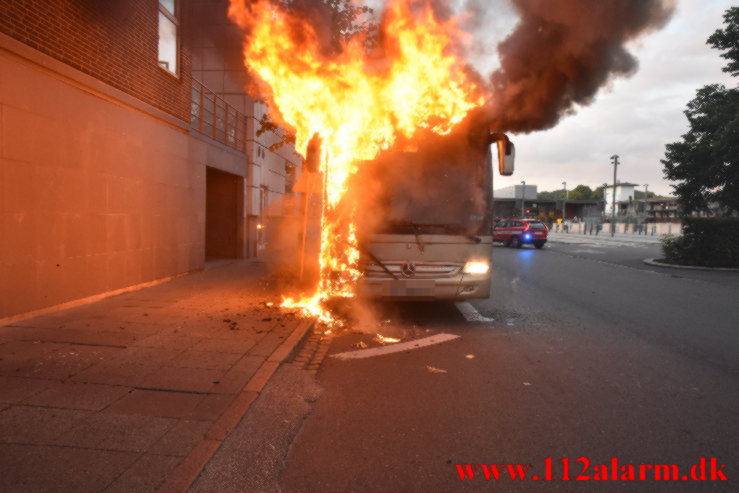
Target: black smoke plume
562 52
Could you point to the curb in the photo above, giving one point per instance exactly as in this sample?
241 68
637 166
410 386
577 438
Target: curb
187 471
599 239
654 262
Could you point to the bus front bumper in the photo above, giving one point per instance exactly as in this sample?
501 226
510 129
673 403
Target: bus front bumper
457 288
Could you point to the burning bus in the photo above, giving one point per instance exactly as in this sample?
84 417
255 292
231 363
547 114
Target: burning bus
425 218
365 97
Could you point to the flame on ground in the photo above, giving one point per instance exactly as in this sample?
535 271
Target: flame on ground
359 103
386 340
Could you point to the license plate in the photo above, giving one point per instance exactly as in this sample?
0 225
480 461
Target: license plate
410 287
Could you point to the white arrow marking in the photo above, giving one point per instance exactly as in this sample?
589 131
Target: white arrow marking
396 348
470 314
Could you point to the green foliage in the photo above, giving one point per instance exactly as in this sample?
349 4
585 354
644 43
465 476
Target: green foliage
728 40
706 241
555 195
598 193
639 195
581 192
705 163
335 20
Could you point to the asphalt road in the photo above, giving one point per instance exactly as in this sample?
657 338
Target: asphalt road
589 353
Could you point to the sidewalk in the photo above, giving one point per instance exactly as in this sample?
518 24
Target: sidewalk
121 394
603 238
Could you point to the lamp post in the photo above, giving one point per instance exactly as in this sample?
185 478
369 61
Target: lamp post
646 190
614 160
646 214
603 217
523 199
564 202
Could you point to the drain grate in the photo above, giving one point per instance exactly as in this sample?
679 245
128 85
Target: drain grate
313 352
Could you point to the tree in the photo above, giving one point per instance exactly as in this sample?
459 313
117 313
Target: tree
580 192
335 21
705 163
639 195
598 193
728 41
555 195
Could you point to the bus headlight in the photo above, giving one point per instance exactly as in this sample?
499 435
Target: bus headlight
476 267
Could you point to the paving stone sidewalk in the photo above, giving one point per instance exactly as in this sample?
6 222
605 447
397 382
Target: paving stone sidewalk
111 396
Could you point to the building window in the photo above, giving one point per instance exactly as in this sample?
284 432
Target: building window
169 46
289 177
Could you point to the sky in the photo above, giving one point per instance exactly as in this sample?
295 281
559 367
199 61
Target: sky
633 117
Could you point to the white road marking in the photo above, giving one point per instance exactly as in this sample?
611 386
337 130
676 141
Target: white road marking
588 250
396 348
470 313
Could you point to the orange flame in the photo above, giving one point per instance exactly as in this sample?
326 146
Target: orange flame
358 103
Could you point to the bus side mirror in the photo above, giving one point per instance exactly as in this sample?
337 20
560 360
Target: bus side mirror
506 156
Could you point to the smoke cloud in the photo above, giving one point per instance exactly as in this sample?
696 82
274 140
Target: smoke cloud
562 52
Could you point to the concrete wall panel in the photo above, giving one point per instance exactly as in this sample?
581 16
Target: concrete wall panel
94 195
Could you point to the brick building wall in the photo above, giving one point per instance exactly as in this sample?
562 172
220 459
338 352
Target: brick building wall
115 41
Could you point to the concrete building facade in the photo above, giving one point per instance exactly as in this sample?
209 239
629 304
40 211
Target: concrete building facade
528 192
625 192
108 177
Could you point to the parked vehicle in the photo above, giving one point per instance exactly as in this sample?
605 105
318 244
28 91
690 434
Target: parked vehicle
518 232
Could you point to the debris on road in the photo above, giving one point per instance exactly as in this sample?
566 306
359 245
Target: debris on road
386 340
434 369
470 356
360 345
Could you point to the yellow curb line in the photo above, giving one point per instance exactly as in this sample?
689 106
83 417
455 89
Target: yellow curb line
187 471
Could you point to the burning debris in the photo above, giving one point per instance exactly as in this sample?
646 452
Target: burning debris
370 91
386 340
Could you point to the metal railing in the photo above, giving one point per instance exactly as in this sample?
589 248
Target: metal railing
212 116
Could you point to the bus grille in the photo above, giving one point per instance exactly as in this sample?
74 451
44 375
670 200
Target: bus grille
420 270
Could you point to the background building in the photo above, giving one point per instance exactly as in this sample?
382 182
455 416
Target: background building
119 164
528 192
624 193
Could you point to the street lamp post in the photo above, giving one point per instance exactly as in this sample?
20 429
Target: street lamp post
603 217
523 199
564 202
614 160
646 191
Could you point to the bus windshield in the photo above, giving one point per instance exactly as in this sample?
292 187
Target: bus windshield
443 188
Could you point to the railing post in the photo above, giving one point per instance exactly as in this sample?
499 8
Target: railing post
213 118
200 108
225 123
